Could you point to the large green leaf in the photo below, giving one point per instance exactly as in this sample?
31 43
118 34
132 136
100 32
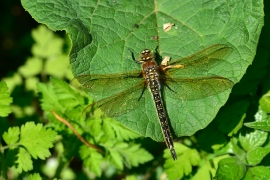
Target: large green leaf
103 31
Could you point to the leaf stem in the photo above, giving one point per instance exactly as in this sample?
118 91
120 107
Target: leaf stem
75 132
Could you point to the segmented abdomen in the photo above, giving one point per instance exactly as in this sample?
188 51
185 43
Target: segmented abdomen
154 86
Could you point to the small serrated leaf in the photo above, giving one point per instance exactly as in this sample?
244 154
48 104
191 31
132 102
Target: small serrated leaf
31 83
253 139
254 156
213 167
265 102
47 44
257 173
24 162
94 126
53 65
183 165
202 173
91 159
12 136
37 139
115 158
13 81
115 130
231 168
49 99
260 125
5 100
262 121
133 154
74 113
67 96
34 176
32 67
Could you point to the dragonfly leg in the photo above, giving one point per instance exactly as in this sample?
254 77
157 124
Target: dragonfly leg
172 67
133 57
144 87
169 87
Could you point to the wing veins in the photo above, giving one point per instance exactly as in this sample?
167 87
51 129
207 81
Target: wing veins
217 51
199 87
115 103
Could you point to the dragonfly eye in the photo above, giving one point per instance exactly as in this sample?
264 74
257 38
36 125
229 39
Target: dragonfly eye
146 55
145 51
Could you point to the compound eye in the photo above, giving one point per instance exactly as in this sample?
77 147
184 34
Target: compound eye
145 51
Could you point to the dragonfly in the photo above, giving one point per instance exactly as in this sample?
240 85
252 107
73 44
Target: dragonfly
124 92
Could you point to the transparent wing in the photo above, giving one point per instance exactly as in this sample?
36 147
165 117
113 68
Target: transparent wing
120 103
196 88
201 62
102 86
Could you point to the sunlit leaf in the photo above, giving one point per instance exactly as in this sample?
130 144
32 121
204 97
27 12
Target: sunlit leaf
262 121
230 168
253 139
24 162
100 46
37 139
12 136
183 165
254 156
91 159
34 176
257 172
5 99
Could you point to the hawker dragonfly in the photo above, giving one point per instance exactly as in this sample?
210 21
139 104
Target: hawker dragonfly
178 79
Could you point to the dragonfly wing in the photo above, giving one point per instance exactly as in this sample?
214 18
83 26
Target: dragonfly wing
102 86
200 63
196 88
120 103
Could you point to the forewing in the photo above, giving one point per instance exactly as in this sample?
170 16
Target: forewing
200 63
120 103
102 86
196 88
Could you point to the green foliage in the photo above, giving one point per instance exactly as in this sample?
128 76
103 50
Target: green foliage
250 149
48 57
34 176
91 159
262 119
100 46
258 172
104 132
235 145
183 165
5 100
131 155
30 140
36 141
231 168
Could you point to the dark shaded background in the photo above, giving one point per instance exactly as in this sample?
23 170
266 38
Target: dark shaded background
15 38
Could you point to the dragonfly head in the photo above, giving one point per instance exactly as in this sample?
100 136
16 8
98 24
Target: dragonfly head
146 55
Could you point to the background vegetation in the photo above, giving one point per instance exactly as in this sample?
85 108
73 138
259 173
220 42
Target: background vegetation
34 75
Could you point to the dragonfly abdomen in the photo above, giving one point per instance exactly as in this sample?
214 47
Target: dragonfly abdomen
155 91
